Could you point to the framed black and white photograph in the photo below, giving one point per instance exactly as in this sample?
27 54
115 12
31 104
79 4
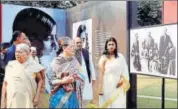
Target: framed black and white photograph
153 51
83 29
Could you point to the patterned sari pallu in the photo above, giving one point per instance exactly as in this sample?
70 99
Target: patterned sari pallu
67 95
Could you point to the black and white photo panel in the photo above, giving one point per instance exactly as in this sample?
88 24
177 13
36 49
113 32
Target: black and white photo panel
153 51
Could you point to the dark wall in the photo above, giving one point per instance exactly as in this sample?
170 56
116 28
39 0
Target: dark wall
132 8
131 23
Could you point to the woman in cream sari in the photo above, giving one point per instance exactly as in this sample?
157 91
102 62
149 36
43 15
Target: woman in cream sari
22 82
113 76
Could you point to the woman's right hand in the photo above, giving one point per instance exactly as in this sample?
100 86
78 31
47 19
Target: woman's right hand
35 100
3 106
101 92
67 80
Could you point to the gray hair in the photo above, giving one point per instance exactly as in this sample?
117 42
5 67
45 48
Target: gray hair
65 40
23 47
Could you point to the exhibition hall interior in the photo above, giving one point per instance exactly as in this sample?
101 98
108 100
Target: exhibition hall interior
88 54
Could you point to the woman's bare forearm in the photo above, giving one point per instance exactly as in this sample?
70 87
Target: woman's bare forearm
101 74
43 76
39 84
101 64
39 87
125 84
3 96
100 81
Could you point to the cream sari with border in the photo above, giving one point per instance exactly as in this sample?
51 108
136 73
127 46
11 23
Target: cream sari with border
21 84
114 97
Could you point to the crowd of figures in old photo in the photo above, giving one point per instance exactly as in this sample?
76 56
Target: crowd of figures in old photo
153 51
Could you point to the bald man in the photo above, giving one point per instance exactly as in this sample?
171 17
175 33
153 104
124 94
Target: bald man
33 53
82 56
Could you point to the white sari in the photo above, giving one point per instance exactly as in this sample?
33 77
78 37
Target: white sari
21 84
111 77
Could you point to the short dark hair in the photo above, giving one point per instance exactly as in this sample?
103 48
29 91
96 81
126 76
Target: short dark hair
15 35
26 18
81 29
106 52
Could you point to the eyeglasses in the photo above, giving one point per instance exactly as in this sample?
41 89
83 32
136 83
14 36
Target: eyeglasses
78 42
71 46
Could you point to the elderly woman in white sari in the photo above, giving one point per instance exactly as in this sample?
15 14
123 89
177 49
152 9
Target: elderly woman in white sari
22 82
114 77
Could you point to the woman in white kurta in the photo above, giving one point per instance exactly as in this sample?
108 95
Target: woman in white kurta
22 82
113 75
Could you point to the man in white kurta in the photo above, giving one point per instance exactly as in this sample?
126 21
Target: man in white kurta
85 60
34 53
88 90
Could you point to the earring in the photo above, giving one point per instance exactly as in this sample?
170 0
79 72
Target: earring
49 37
